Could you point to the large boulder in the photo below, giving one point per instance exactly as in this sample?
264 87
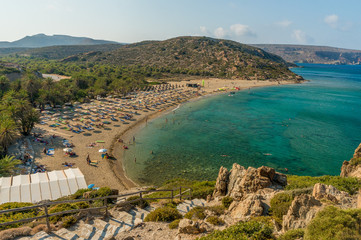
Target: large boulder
330 193
221 183
302 210
250 207
241 182
352 168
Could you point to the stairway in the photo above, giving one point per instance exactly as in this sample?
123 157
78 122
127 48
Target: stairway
99 229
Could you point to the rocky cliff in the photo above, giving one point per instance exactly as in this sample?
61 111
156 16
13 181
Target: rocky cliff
352 168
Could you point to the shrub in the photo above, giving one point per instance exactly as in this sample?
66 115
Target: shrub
243 230
10 234
79 194
68 221
280 204
334 223
9 217
163 214
217 210
348 184
215 220
226 202
169 203
141 203
60 208
196 213
174 224
293 234
355 161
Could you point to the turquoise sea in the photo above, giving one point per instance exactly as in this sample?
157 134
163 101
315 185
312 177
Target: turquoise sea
308 128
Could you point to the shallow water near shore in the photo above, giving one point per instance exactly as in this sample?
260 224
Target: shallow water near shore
308 128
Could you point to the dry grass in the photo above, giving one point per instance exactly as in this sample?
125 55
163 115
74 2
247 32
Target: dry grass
9 234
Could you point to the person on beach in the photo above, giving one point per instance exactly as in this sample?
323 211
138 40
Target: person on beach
44 150
133 139
135 160
88 159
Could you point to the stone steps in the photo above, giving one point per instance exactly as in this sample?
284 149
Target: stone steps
106 229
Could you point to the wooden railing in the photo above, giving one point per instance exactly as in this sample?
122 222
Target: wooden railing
142 196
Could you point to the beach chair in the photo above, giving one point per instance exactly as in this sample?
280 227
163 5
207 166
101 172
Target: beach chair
93 163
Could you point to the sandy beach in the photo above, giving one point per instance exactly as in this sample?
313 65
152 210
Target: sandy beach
89 127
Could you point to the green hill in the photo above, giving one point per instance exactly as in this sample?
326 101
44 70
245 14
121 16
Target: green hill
195 56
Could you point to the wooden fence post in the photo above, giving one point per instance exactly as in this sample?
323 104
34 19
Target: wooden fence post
106 207
180 193
172 195
47 217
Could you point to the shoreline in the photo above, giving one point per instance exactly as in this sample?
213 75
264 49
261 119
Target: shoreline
118 168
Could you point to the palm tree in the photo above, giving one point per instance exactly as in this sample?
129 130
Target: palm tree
8 165
7 131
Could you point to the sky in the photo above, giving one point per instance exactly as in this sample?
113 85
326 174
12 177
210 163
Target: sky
311 22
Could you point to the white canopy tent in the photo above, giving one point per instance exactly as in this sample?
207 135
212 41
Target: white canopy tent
41 186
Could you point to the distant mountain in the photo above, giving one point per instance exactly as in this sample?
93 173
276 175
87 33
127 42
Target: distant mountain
42 40
313 54
196 56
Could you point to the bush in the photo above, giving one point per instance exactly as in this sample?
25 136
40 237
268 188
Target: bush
280 204
9 217
243 230
79 194
174 224
163 214
347 184
226 202
293 234
141 203
68 221
196 213
355 161
334 223
216 210
60 208
10 234
215 220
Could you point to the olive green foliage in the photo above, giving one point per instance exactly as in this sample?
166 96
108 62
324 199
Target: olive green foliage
216 210
215 220
335 223
8 165
200 189
293 234
79 194
280 204
163 214
243 231
64 207
140 203
9 217
68 221
355 161
196 213
174 224
226 201
347 184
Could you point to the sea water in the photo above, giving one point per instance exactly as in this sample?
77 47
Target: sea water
302 129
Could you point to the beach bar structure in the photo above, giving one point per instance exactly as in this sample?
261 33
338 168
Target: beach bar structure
41 186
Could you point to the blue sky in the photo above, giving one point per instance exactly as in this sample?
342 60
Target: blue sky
316 22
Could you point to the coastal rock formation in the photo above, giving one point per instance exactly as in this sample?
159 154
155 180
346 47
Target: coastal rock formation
250 207
352 168
187 226
302 210
242 182
329 192
221 183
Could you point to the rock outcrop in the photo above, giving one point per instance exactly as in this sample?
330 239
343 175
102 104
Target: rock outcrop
187 226
250 207
241 182
352 168
302 210
330 193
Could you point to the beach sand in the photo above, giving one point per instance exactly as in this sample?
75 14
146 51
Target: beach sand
110 172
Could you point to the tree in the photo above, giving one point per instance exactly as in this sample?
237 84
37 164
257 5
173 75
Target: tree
8 165
7 132
4 85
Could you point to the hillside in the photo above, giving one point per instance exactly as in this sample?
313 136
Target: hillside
60 52
196 56
313 54
42 40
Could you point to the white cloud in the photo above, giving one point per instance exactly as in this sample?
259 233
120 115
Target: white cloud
332 20
241 30
284 23
300 36
203 29
220 32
